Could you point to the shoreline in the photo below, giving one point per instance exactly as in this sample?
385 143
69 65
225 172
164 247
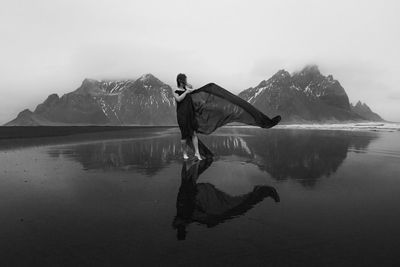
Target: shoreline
28 132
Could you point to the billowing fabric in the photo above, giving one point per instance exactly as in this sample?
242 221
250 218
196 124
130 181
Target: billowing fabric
210 107
214 107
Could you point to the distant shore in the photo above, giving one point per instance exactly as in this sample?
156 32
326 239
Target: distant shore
10 132
15 137
19 132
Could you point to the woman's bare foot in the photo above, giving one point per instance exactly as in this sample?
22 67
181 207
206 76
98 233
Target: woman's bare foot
198 156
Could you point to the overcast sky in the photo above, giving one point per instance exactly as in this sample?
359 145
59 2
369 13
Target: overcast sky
50 46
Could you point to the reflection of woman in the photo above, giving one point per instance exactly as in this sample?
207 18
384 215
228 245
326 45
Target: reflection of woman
205 109
205 204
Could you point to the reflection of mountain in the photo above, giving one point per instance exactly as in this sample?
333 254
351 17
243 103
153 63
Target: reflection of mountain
205 204
147 156
304 155
292 154
301 155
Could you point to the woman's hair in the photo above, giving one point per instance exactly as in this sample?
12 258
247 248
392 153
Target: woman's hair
181 79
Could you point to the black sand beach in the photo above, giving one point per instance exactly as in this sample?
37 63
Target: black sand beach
124 197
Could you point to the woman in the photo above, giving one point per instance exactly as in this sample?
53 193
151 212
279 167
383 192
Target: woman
185 115
207 108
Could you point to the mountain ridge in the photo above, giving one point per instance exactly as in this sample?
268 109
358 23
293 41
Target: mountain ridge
303 96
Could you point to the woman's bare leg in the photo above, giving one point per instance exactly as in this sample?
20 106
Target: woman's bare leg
184 148
196 146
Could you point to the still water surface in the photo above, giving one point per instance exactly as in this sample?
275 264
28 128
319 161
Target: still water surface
269 197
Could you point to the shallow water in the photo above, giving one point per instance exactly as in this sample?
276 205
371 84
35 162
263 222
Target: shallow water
276 197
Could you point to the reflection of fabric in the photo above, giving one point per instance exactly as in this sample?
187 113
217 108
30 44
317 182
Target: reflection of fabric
210 200
214 206
206 204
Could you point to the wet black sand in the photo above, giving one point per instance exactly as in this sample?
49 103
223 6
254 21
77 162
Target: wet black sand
269 198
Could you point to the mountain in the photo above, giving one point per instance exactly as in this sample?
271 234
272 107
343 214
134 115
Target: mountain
145 101
304 96
364 111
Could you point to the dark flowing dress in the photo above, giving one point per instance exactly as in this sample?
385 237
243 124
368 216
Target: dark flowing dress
210 107
185 115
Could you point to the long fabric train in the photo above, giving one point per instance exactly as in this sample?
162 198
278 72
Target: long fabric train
214 107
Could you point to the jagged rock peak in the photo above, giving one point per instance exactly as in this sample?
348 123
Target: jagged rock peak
147 77
362 105
148 80
89 81
280 77
88 86
281 74
359 103
25 112
365 111
116 80
52 97
95 88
